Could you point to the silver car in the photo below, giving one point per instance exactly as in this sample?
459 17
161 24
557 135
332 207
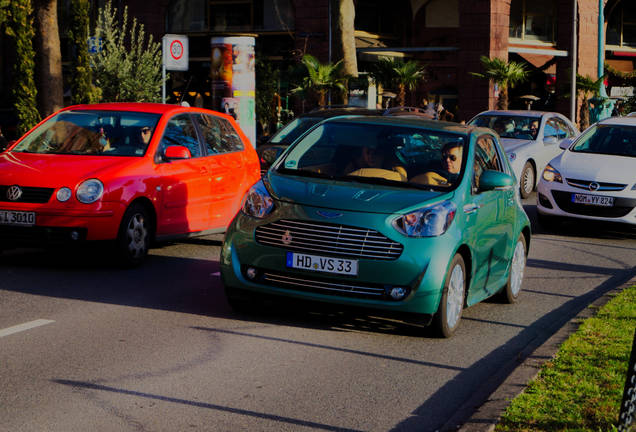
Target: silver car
530 139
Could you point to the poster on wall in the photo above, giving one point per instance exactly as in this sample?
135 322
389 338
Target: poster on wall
234 81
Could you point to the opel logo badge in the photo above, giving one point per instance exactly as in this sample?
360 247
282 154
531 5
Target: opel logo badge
594 186
14 193
286 238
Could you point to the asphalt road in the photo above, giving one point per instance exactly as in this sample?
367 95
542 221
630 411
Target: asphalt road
158 348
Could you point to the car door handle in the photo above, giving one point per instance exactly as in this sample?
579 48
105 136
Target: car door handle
471 208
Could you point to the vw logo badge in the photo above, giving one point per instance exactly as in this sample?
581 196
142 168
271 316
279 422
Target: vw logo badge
594 186
286 238
14 193
328 214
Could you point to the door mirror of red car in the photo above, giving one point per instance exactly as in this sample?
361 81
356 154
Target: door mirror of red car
177 152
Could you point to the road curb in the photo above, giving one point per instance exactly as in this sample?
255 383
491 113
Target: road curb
487 415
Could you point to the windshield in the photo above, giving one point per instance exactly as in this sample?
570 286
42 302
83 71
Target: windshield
293 130
108 133
396 155
618 140
516 127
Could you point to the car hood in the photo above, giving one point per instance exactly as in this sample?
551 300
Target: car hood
48 170
596 167
511 145
349 196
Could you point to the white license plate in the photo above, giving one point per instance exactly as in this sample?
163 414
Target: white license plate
322 264
596 200
10 217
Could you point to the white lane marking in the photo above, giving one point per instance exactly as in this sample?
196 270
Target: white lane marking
26 326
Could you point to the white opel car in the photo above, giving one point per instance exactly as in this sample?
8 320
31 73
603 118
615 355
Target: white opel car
530 139
595 177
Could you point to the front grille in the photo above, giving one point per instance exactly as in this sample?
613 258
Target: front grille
621 207
336 287
328 239
602 186
36 195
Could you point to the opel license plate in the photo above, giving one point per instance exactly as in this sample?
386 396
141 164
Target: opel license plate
23 218
322 264
595 200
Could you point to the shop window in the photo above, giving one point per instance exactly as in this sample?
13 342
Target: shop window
379 17
533 20
185 16
621 25
442 13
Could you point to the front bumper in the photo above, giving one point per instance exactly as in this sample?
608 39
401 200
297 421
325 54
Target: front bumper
420 269
554 199
63 222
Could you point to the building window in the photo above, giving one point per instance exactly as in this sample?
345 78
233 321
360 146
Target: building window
621 25
533 20
186 16
379 17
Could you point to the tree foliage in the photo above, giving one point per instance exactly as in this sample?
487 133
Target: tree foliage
396 74
128 68
322 77
505 74
19 26
82 88
588 88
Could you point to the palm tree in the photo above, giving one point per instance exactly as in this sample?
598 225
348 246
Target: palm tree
588 88
505 75
322 77
399 75
407 76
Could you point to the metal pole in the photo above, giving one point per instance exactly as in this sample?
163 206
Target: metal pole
163 84
329 59
601 21
573 56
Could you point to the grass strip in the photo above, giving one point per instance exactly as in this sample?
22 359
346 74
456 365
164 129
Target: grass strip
581 388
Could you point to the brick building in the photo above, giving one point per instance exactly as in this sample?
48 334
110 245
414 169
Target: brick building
447 36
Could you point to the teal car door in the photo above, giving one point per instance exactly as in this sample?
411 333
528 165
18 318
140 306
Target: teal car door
488 217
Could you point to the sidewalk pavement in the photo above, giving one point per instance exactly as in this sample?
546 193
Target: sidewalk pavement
514 377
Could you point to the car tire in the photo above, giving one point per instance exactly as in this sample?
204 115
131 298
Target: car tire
133 239
527 180
451 305
510 292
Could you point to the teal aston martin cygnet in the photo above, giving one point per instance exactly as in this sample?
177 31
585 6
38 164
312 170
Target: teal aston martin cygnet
398 214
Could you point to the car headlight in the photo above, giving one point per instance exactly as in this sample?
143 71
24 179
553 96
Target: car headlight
428 221
63 194
634 187
258 202
550 174
89 191
512 157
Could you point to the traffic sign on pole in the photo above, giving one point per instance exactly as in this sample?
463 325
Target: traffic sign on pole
175 52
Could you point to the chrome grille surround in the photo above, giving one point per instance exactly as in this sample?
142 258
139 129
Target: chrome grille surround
585 184
328 239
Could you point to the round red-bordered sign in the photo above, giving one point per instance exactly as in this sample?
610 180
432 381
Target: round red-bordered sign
176 49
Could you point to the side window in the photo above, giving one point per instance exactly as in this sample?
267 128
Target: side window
486 158
218 134
180 131
551 129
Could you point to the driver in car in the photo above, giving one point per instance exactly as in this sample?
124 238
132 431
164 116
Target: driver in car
451 165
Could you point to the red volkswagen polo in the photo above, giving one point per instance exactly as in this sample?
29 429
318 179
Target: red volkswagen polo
129 172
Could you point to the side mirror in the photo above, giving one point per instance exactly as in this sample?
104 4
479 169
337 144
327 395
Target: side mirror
565 144
491 179
177 152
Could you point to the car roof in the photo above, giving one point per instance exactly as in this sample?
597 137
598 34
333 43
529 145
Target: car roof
414 121
154 108
333 112
625 121
524 113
